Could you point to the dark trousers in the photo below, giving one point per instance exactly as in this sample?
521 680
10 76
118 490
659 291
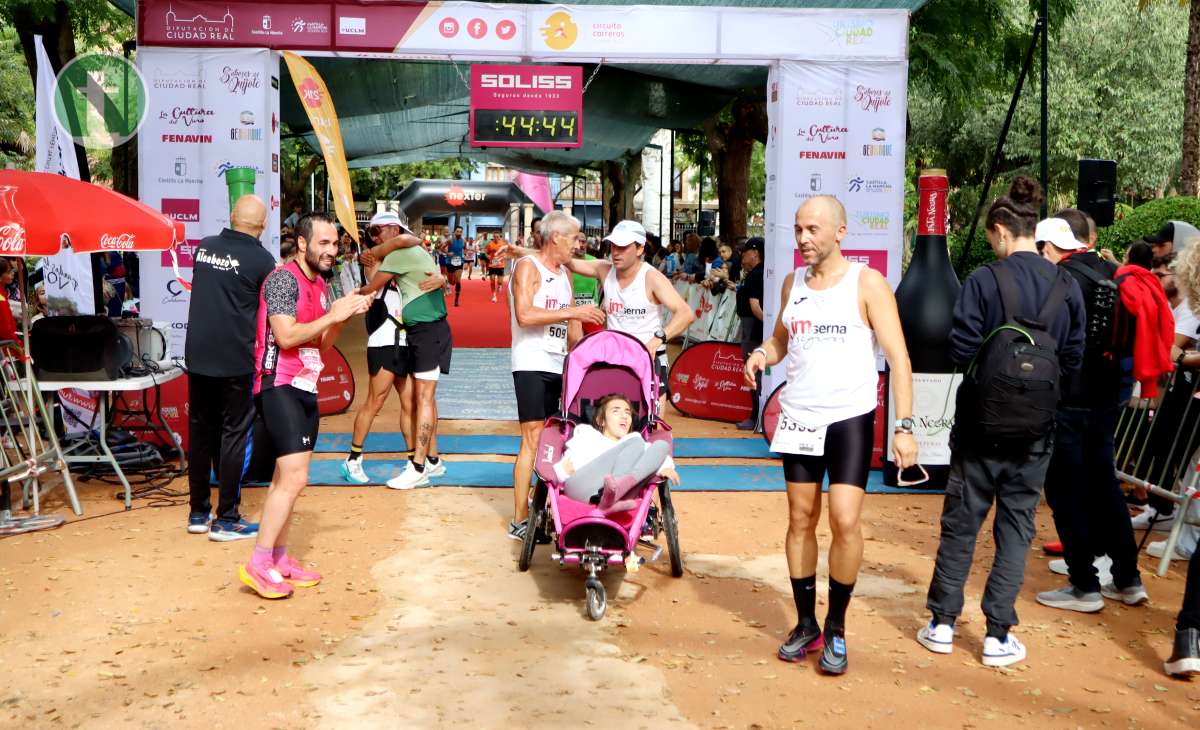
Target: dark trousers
979 477
748 345
1090 513
220 416
1189 615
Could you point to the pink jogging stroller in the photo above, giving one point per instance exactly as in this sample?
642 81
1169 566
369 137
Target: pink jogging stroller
602 363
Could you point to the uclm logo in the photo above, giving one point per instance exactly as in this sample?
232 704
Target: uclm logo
525 81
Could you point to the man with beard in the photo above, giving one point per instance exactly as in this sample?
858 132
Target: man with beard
295 325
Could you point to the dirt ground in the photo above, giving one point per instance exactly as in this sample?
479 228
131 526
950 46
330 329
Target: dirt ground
121 619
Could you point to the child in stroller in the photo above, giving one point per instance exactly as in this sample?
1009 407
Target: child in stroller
605 461
600 464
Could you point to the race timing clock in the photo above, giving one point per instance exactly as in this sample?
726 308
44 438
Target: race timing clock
526 106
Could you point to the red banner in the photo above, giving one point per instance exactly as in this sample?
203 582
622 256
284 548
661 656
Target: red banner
770 417
706 382
335 389
172 402
207 24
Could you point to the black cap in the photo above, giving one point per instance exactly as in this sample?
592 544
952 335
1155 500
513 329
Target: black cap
1166 234
754 244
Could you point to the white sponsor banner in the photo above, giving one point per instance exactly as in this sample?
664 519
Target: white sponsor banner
835 129
813 34
608 31
209 111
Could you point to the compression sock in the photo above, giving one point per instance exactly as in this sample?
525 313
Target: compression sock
262 558
804 593
839 600
278 552
419 467
355 451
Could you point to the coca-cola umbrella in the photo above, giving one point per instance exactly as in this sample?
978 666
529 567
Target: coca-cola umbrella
41 212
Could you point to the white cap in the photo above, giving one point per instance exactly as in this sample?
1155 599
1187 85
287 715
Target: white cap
627 232
387 218
1057 231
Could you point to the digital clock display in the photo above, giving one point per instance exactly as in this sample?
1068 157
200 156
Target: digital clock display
507 127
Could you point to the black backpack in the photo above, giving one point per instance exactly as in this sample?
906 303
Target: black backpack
1110 326
1015 374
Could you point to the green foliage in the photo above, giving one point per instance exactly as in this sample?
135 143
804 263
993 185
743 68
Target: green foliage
16 113
381 183
980 252
1148 218
758 180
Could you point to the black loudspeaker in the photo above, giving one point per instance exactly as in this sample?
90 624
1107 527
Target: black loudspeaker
1097 195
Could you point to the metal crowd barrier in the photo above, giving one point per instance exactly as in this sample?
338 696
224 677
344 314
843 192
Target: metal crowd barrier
1158 448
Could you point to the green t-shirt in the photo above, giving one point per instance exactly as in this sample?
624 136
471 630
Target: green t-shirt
585 286
411 266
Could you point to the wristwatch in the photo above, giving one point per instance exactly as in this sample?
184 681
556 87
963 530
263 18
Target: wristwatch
904 425
660 336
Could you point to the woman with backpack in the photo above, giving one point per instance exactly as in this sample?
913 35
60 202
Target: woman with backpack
1019 320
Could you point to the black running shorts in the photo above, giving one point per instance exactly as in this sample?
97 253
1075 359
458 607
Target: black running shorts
847 457
388 357
495 272
291 418
429 346
451 268
538 393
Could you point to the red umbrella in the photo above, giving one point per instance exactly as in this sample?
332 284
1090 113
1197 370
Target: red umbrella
41 211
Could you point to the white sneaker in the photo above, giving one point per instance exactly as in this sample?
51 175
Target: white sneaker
409 478
938 638
352 471
435 470
1158 547
998 653
1103 567
1149 518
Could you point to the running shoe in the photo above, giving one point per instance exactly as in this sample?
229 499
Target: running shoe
833 656
297 574
1070 598
1053 548
227 531
410 478
266 583
516 530
1150 519
435 470
198 523
1158 547
800 642
1185 657
938 638
998 653
352 471
1134 595
1103 568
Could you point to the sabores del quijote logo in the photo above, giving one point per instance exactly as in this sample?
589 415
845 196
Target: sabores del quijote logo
239 81
872 99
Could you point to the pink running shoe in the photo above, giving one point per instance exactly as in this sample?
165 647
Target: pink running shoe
266 583
297 574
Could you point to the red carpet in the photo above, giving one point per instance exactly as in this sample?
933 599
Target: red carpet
477 321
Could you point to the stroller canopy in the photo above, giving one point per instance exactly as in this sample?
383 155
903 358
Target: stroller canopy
613 349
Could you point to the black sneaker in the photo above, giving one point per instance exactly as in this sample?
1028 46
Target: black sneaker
800 642
833 658
1185 658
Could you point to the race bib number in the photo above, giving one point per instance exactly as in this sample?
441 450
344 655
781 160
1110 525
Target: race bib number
793 438
584 300
456 261
310 372
555 338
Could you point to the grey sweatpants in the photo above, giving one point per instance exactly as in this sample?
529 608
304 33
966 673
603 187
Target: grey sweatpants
630 457
977 479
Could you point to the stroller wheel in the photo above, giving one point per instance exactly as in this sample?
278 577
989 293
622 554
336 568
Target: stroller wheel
597 599
671 527
537 515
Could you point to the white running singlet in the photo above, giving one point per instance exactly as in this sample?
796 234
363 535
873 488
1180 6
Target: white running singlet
830 360
541 347
630 310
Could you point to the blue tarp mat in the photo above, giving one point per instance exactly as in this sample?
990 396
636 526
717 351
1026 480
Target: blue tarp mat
393 443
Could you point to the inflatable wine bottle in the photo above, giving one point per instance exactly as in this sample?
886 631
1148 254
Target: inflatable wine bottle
926 298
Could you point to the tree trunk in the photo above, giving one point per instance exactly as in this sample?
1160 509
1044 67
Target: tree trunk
732 146
293 185
614 201
1191 107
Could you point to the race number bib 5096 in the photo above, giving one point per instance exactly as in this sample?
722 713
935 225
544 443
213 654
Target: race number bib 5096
306 379
555 338
792 437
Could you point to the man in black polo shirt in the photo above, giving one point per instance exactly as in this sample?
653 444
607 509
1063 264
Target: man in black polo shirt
227 275
749 310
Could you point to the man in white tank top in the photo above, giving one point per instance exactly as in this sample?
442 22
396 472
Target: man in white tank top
832 313
544 323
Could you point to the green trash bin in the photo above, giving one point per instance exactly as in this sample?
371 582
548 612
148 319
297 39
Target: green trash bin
240 181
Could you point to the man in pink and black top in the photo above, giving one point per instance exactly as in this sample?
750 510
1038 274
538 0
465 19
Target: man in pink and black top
295 325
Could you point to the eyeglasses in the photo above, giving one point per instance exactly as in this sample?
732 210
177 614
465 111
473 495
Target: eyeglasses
902 482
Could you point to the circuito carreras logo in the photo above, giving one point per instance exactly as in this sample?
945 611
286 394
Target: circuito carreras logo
560 32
